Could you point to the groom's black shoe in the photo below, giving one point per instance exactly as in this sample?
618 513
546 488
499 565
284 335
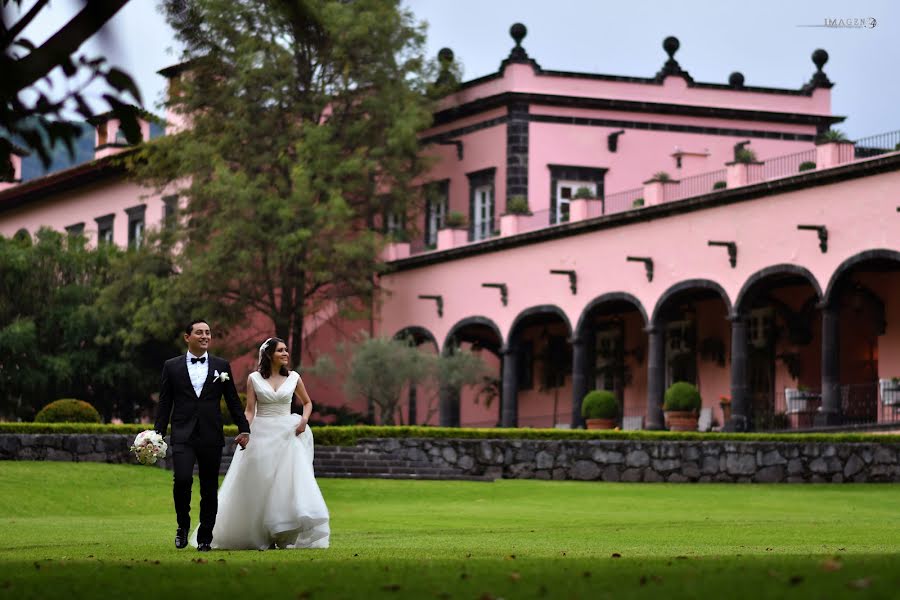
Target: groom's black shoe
204 547
181 537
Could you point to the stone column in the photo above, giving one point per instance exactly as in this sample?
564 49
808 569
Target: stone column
449 407
411 419
740 400
510 387
830 411
579 379
656 376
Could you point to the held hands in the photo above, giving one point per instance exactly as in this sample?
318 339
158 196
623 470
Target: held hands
301 427
242 439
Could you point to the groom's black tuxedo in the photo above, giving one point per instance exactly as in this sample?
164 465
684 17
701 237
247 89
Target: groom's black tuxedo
197 420
197 434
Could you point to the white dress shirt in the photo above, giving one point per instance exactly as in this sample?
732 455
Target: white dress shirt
198 371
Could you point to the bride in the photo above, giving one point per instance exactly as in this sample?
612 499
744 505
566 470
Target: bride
270 497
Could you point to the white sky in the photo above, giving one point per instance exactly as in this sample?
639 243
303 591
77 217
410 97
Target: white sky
762 39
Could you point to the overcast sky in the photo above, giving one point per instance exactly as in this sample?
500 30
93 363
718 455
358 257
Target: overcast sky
766 40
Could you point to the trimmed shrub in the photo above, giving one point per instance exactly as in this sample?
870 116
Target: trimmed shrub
599 404
638 202
68 410
720 185
661 176
807 165
517 205
455 219
682 396
584 193
745 155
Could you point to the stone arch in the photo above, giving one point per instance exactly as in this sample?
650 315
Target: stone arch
690 284
418 334
536 310
474 320
846 266
756 280
610 297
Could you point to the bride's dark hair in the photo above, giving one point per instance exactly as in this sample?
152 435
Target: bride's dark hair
266 351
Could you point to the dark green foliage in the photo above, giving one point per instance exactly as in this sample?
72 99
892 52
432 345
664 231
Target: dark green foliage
600 404
745 155
68 410
455 219
806 166
638 202
517 205
720 185
682 396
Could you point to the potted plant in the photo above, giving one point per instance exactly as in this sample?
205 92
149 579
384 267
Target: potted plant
517 205
661 176
584 193
455 220
806 165
832 135
600 409
745 155
720 185
637 203
682 406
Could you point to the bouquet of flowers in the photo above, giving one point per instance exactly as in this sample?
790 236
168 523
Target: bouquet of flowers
149 447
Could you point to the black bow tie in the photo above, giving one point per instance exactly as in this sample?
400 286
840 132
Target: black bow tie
200 360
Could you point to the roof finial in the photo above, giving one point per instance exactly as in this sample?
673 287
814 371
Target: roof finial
518 32
819 78
671 67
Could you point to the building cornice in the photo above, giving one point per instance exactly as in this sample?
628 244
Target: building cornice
805 180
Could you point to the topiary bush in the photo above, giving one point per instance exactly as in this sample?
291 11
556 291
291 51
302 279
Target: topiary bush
720 185
682 396
68 410
807 166
638 202
599 404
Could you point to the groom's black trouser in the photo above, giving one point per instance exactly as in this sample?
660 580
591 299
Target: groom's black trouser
208 460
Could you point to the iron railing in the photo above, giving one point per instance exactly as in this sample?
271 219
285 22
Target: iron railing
783 166
696 185
622 201
875 145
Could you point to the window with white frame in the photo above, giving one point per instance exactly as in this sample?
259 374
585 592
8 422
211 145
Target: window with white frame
565 181
565 193
481 204
436 202
136 225
105 229
681 359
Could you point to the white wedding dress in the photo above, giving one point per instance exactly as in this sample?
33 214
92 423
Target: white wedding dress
270 495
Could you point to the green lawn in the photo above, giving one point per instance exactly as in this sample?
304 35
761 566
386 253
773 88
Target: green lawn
72 530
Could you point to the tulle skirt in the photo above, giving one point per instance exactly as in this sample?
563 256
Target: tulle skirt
270 495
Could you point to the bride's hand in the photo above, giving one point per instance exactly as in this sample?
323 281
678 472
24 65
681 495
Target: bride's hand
301 427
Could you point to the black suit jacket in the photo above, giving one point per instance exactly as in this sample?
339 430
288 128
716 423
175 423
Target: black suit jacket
178 401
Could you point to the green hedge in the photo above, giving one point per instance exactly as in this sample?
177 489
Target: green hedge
348 436
68 410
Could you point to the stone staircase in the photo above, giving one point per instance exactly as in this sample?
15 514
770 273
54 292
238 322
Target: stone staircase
352 462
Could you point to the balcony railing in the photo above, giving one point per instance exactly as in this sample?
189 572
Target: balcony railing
862 405
784 166
704 183
696 185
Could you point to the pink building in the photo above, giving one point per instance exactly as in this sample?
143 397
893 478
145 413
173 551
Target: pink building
674 231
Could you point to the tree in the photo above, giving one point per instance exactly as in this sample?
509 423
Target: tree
303 133
462 367
379 369
81 322
33 117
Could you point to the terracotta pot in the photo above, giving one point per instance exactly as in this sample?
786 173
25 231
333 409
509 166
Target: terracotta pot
600 423
682 420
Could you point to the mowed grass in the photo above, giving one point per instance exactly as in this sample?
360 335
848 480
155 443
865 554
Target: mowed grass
78 530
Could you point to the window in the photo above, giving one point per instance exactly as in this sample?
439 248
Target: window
680 356
76 229
105 229
170 210
437 197
136 225
481 204
564 183
610 360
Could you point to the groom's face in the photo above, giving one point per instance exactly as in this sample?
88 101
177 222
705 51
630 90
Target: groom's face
198 339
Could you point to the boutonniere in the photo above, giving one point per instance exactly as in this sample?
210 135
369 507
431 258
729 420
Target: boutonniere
223 376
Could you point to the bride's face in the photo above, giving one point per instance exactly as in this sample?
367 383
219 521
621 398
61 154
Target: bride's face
280 357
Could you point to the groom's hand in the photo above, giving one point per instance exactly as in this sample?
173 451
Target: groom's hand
242 439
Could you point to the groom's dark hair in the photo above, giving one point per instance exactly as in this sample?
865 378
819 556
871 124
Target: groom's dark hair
189 327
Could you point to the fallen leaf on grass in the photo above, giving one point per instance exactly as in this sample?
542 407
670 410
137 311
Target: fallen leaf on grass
515 576
616 555
860 584
199 561
831 564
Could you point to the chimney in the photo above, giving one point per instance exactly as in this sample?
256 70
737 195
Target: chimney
109 138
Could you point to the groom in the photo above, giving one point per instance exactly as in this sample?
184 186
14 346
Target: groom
190 390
